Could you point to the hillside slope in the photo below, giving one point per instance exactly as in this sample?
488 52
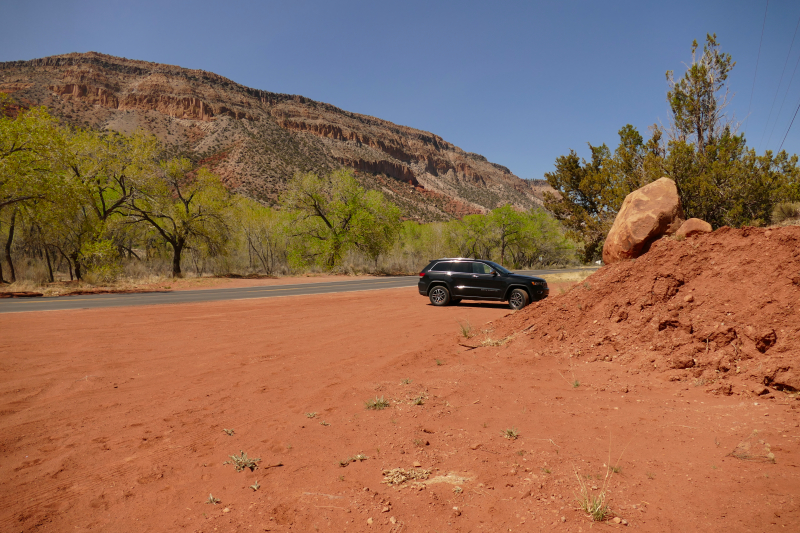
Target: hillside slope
256 140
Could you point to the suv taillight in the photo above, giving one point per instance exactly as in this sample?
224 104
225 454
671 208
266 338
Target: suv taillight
421 274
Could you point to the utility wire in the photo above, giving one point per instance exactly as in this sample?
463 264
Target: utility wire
758 58
778 88
790 126
784 100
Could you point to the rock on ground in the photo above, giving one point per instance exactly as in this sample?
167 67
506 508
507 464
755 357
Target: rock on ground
646 215
692 226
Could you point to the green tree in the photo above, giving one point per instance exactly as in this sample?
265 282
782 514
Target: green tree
506 226
698 100
582 201
332 215
186 207
264 232
719 179
25 165
98 175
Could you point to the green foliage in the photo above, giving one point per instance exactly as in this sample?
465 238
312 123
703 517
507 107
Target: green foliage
699 98
590 193
264 232
785 211
95 201
334 215
101 258
511 237
187 208
25 147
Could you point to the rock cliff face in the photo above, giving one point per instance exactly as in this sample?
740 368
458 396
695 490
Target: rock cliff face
256 140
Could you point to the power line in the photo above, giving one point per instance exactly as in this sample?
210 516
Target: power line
778 88
771 133
790 126
758 58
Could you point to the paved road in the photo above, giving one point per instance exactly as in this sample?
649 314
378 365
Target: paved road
93 301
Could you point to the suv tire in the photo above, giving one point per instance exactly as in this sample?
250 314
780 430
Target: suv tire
518 299
439 296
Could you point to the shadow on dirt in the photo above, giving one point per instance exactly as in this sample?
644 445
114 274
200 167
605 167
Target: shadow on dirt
482 305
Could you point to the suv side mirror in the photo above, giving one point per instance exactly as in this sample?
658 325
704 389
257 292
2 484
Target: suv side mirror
493 272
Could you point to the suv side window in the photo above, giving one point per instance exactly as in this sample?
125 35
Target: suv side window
463 267
481 268
442 266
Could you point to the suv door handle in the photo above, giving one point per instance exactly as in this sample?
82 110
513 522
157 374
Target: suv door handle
474 275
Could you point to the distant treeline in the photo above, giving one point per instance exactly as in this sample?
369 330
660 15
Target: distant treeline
84 204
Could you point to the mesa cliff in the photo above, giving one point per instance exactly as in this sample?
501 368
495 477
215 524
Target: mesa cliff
256 140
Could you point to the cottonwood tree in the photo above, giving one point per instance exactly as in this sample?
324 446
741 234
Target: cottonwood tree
186 207
332 215
99 174
25 165
264 231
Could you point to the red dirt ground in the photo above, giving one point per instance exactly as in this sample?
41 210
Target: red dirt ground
112 420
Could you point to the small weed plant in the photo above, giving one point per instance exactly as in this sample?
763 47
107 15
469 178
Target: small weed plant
255 486
240 462
511 433
228 432
466 329
212 500
406 381
595 504
377 404
311 415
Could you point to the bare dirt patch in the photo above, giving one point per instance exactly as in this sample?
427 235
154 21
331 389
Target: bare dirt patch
122 419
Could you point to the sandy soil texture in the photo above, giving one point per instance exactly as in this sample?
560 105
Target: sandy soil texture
115 419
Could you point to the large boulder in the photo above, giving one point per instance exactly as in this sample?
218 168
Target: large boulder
692 226
647 214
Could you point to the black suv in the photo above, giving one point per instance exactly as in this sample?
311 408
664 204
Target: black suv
451 280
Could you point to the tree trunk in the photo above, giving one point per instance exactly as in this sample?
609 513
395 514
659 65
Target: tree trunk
11 273
49 264
177 248
78 270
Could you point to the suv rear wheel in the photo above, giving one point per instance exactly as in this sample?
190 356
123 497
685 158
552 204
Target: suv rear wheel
518 299
439 296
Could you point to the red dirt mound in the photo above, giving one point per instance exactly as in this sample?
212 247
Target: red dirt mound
718 309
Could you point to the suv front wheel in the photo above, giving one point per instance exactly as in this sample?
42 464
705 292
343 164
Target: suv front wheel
439 296
518 299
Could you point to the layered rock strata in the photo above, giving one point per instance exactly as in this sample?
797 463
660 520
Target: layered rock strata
257 140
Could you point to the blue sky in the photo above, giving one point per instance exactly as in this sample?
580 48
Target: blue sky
519 82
